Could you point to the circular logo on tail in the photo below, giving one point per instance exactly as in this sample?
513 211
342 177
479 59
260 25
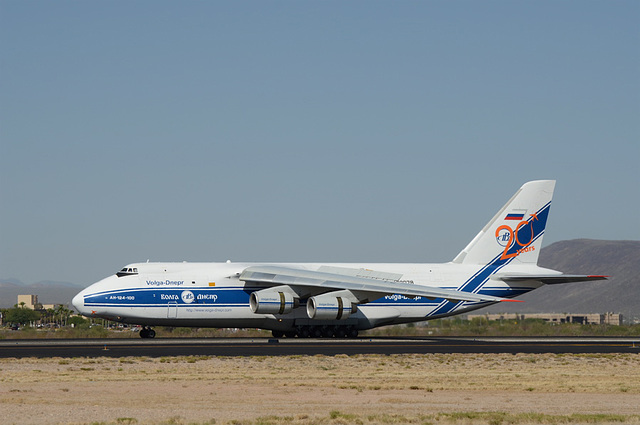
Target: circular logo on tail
504 237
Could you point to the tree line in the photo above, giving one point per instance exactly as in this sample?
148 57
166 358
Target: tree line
23 316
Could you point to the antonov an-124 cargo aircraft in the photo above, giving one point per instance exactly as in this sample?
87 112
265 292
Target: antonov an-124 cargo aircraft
336 300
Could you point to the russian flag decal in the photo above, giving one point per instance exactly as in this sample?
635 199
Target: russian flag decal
516 215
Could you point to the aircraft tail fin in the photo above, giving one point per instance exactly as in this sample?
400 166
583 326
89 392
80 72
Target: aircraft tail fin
515 232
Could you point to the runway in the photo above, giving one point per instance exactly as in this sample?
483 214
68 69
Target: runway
165 347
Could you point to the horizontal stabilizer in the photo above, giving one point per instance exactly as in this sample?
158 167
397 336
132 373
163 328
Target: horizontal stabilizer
551 279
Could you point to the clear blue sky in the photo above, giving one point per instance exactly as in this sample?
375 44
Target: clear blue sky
306 131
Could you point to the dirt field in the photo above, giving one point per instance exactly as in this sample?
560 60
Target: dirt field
367 389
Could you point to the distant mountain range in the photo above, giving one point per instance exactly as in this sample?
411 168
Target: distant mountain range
48 291
619 294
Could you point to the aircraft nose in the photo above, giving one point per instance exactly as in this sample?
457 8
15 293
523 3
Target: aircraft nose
78 302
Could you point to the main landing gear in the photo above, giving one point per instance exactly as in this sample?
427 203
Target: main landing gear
319 332
147 332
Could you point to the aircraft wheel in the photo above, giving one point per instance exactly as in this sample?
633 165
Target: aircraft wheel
277 334
303 332
327 331
341 332
352 332
147 333
316 331
290 334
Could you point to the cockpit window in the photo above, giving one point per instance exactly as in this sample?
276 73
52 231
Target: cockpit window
127 271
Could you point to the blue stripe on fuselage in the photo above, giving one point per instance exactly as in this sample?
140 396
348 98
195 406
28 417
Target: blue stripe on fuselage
161 296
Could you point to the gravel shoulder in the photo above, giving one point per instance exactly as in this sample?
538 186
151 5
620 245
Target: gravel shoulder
366 389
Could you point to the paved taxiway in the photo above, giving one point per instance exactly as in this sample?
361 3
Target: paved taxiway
161 347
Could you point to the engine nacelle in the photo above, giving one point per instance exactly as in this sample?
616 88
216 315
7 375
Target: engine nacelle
330 307
273 301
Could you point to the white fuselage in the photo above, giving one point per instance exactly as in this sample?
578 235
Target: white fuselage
211 295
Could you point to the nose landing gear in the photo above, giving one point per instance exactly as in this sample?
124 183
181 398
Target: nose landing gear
147 332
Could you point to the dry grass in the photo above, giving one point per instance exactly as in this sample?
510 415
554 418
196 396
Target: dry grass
365 389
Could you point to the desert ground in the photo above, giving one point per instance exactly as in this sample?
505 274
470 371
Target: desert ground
364 389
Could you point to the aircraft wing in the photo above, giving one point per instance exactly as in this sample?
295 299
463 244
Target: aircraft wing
551 279
276 275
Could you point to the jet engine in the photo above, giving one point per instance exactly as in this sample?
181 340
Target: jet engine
330 307
273 301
